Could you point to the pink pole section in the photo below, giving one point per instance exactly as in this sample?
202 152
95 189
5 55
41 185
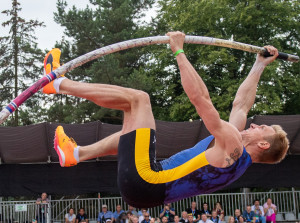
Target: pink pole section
25 95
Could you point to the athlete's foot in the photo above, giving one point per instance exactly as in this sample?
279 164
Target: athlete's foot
66 148
51 62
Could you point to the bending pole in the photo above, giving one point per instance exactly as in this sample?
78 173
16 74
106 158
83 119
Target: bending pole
127 45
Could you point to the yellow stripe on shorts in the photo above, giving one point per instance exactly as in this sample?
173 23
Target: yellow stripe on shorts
142 162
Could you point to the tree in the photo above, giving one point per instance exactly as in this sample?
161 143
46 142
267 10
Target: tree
257 22
20 63
107 22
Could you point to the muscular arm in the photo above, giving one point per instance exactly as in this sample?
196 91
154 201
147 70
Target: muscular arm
246 93
245 97
195 88
198 94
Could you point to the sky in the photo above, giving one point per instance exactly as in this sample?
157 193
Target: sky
43 11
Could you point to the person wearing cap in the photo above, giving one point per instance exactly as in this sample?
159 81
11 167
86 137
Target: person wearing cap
105 215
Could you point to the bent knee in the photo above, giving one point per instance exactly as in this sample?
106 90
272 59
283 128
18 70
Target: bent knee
139 97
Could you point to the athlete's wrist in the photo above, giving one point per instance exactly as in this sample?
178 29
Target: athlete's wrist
259 65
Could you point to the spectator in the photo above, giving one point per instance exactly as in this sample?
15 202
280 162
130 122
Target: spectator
176 219
220 212
152 220
249 215
190 218
237 214
122 218
270 211
144 212
81 216
230 219
134 219
42 208
164 219
132 210
184 217
258 212
140 213
129 216
204 219
205 210
241 219
105 214
194 211
118 211
214 217
168 212
146 218
157 220
70 217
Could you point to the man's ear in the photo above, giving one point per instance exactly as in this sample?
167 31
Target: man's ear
263 145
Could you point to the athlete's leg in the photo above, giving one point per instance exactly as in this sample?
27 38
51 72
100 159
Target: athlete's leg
135 104
104 147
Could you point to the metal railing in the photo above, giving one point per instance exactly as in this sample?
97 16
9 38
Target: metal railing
286 201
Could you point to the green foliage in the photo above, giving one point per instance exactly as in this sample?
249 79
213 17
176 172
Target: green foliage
257 22
20 61
109 21
154 68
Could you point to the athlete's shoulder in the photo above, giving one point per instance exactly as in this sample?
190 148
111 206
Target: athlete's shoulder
228 135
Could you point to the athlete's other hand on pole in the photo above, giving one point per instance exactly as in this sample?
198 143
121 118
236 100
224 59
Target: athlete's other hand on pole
267 60
176 40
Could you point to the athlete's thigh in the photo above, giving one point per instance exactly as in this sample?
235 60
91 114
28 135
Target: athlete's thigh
139 116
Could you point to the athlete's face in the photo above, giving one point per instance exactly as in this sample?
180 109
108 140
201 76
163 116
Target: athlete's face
257 133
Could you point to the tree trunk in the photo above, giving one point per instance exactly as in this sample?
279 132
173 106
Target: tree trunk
16 51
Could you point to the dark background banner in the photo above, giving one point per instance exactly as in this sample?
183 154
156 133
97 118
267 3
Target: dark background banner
93 177
34 144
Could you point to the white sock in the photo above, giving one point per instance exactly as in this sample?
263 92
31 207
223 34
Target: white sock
57 83
76 153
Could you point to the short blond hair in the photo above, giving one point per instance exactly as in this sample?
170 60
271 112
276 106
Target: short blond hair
279 145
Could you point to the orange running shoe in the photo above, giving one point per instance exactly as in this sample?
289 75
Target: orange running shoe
51 62
64 147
